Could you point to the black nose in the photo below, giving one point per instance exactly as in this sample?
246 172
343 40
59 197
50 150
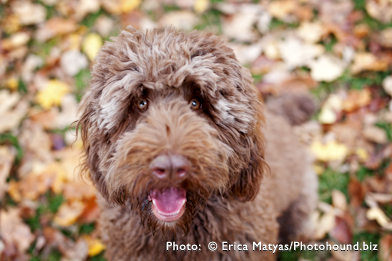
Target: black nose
169 166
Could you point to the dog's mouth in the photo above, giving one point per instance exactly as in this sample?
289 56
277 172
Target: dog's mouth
168 205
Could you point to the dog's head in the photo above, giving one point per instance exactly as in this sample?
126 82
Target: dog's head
171 119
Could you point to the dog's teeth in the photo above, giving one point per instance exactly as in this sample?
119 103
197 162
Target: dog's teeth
153 202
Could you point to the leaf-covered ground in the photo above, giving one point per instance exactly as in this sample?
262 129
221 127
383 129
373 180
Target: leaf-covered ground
338 50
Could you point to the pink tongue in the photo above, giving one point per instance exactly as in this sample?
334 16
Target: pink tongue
169 200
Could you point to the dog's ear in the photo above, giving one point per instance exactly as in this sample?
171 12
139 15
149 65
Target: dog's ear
249 180
91 143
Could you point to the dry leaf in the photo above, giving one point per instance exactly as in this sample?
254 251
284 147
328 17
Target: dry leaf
29 13
375 213
68 213
356 192
182 20
52 94
95 246
310 32
295 53
7 156
367 62
339 200
325 224
16 40
387 85
240 26
282 9
91 45
201 6
356 99
54 27
330 151
14 232
342 231
326 68
12 110
380 10
375 134
385 244
73 61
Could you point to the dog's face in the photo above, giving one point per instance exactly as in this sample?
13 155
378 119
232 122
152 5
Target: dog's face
171 119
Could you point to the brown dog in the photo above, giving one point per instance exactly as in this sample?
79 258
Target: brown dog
177 143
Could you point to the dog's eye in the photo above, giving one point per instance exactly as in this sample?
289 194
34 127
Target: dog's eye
142 104
195 104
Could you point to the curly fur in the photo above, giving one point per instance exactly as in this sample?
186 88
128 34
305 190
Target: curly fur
228 143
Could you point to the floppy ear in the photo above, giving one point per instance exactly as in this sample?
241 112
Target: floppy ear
249 180
91 143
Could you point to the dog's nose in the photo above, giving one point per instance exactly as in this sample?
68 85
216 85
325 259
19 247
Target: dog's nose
170 166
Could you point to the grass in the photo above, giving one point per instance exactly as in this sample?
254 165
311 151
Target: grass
209 20
7 138
368 238
81 80
331 180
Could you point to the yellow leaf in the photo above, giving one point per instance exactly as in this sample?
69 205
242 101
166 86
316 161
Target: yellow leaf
330 151
129 5
318 169
12 83
52 94
201 5
362 154
91 45
95 246
68 213
377 214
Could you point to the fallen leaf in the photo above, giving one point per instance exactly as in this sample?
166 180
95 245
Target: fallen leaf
377 214
52 94
104 25
296 53
12 109
326 68
339 200
182 20
330 109
95 246
310 32
385 244
91 45
14 232
282 9
342 231
7 156
324 224
356 99
385 38
73 61
240 26
28 13
387 85
68 213
380 10
331 151
356 193
201 6
375 134
367 62
55 27
16 40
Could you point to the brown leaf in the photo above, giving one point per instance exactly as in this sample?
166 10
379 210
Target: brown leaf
7 156
54 27
342 231
356 192
14 232
385 243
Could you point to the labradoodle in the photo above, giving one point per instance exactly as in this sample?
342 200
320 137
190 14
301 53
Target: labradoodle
183 152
